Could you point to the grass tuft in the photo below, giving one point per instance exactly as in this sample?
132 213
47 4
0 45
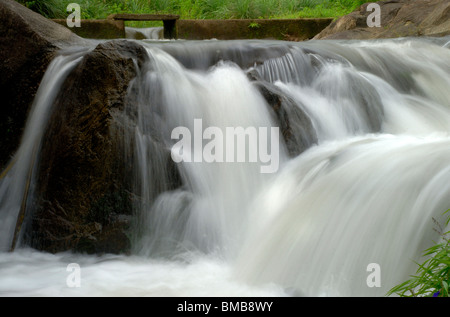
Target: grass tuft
432 278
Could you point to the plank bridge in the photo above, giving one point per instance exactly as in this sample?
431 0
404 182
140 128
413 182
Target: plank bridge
169 21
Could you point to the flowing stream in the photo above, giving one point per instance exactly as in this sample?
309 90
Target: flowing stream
359 185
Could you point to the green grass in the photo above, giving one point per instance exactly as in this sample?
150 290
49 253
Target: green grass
200 9
432 278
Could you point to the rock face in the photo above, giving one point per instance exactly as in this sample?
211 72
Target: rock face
399 18
28 43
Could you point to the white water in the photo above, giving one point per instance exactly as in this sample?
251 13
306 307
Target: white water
365 194
345 205
31 273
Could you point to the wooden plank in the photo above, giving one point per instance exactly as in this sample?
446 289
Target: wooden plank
143 17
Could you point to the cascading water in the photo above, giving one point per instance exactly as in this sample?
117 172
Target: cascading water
363 190
152 33
209 212
17 180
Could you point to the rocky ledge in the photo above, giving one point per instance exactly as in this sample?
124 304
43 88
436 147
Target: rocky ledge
398 18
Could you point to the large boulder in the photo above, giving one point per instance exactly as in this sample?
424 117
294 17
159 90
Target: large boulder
84 200
28 42
399 18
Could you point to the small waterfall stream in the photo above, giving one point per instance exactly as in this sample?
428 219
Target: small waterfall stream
17 180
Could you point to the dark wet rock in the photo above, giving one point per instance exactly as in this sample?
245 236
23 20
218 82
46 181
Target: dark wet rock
28 42
295 125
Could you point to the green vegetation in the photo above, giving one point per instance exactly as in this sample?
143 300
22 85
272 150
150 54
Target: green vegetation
433 276
200 9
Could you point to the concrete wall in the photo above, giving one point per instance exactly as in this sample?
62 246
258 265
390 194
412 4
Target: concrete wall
97 29
285 29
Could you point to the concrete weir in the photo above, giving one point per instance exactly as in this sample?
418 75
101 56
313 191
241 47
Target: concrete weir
174 28
169 21
279 29
105 29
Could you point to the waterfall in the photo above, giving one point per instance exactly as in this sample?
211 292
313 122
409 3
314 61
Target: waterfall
208 213
361 196
344 205
360 186
358 197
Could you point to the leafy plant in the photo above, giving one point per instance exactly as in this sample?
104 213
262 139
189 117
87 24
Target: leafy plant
433 276
48 8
